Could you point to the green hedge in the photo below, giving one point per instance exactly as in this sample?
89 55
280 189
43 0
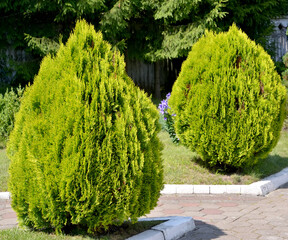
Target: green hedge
84 150
228 100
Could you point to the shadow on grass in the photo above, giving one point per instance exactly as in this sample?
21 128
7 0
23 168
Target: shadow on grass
217 169
268 166
204 231
121 232
264 168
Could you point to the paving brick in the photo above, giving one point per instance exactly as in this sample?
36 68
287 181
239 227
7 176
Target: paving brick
215 217
9 215
193 214
170 206
239 223
172 211
278 223
189 204
266 232
212 211
194 209
10 221
257 221
248 235
228 204
210 205
273 238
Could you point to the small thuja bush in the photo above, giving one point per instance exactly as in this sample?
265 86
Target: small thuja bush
84 150
9 106
168 118
228 100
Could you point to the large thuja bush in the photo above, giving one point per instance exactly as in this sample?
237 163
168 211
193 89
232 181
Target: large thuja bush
84 150
228 100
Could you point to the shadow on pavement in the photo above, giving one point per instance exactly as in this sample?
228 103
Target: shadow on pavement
285 186
203 231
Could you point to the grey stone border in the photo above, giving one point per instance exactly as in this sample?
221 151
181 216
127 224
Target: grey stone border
172 229
5 195
260 188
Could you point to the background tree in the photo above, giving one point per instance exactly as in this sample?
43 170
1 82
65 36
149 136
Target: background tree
150 30
36 27
254 18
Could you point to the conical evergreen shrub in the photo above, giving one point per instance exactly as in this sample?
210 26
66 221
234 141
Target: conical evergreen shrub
84 150
228 100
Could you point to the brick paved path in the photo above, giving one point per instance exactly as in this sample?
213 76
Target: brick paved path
8 218
216 216
231 217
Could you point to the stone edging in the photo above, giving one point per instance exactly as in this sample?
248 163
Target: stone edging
173 228
261 188
5 195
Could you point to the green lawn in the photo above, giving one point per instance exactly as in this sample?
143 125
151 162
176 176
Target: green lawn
118 233
181 165
4 165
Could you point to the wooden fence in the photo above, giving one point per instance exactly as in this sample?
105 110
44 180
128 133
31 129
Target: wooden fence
155 78
7 72
279 38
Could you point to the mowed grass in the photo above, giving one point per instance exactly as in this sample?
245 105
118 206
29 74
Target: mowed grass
181 166
117 233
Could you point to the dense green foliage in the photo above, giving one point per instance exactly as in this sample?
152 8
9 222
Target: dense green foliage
84 150
177 26
37 27
150 30
9 106
229 100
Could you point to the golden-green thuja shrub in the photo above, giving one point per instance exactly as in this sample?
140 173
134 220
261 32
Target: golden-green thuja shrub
228 100
84 150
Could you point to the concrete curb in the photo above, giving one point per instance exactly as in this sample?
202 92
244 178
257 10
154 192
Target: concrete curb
173 228
5 195
260 188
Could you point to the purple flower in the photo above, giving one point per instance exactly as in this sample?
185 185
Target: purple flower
163 106
168 118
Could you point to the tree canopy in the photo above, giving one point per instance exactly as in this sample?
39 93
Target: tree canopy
254 17
150 30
